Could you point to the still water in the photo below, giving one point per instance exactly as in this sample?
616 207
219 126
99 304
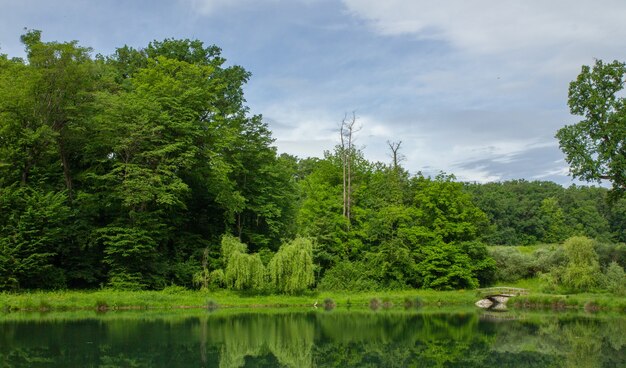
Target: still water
393 338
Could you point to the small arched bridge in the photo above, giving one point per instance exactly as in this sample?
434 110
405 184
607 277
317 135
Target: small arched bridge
496 297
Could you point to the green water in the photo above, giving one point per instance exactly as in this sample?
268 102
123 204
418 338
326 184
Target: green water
364 338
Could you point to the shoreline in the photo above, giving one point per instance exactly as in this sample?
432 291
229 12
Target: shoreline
179 298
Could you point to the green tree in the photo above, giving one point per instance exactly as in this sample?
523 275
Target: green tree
291 268
553 229
594 147
33 227
446 267
243 271
445 209
616 278
582 271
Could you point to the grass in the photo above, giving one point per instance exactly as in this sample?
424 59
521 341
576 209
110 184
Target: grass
186 299
112 300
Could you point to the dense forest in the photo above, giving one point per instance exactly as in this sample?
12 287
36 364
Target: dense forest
144 169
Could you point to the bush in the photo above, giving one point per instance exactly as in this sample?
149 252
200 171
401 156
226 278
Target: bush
545 259
446 267
511 264
582 272
126 281
346 275
615 279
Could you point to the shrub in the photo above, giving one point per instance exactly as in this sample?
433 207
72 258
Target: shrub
615 279
582 272
126 281
346 275
546 259
511 264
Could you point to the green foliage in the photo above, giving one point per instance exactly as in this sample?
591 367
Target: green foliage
615 279
511 264
33 234
131 256
126 281
348 276
291 268
553 228
230 246
582 272
445 209
243 271
522 212
594 147
125 170
446 267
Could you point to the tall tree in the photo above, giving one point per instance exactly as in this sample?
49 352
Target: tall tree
64 76
347 130
595 147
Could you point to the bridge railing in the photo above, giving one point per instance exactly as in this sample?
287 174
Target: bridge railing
503 290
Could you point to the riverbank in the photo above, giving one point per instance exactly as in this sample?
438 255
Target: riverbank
187 299
179 298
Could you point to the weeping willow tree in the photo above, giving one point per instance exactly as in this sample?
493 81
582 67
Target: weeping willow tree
291 269
243 271
230 246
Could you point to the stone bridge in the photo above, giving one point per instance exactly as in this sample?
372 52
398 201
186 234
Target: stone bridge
495 298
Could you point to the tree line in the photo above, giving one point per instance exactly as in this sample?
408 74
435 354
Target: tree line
145 168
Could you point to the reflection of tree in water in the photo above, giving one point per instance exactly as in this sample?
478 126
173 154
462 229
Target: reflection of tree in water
564 342
337 339
397 340
289 337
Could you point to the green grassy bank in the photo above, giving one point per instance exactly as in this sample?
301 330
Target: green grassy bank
178 298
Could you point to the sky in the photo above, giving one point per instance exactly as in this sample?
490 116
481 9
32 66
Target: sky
473 88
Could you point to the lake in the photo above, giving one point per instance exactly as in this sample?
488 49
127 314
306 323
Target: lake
312 338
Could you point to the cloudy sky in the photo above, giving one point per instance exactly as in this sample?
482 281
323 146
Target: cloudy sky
475 88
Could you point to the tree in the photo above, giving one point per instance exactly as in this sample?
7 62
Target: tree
243 271
583 269
347 130
595 147
552 226
615 278
291 268
396 156
32 228
446 210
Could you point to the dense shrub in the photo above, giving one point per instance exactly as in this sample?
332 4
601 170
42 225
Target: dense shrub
615 279
511 264
582 272
346 275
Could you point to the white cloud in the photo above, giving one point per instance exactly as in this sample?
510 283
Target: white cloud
562 171
209 7
498 25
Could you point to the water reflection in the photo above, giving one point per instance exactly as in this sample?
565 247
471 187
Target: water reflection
314 339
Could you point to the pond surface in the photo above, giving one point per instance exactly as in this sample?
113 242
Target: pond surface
394 338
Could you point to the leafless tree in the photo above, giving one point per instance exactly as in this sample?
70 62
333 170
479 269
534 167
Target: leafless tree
347 130
395 155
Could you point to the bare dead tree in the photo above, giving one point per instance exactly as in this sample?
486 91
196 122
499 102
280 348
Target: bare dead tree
395 155
347 130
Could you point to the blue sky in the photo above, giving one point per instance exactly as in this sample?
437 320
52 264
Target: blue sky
474 88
